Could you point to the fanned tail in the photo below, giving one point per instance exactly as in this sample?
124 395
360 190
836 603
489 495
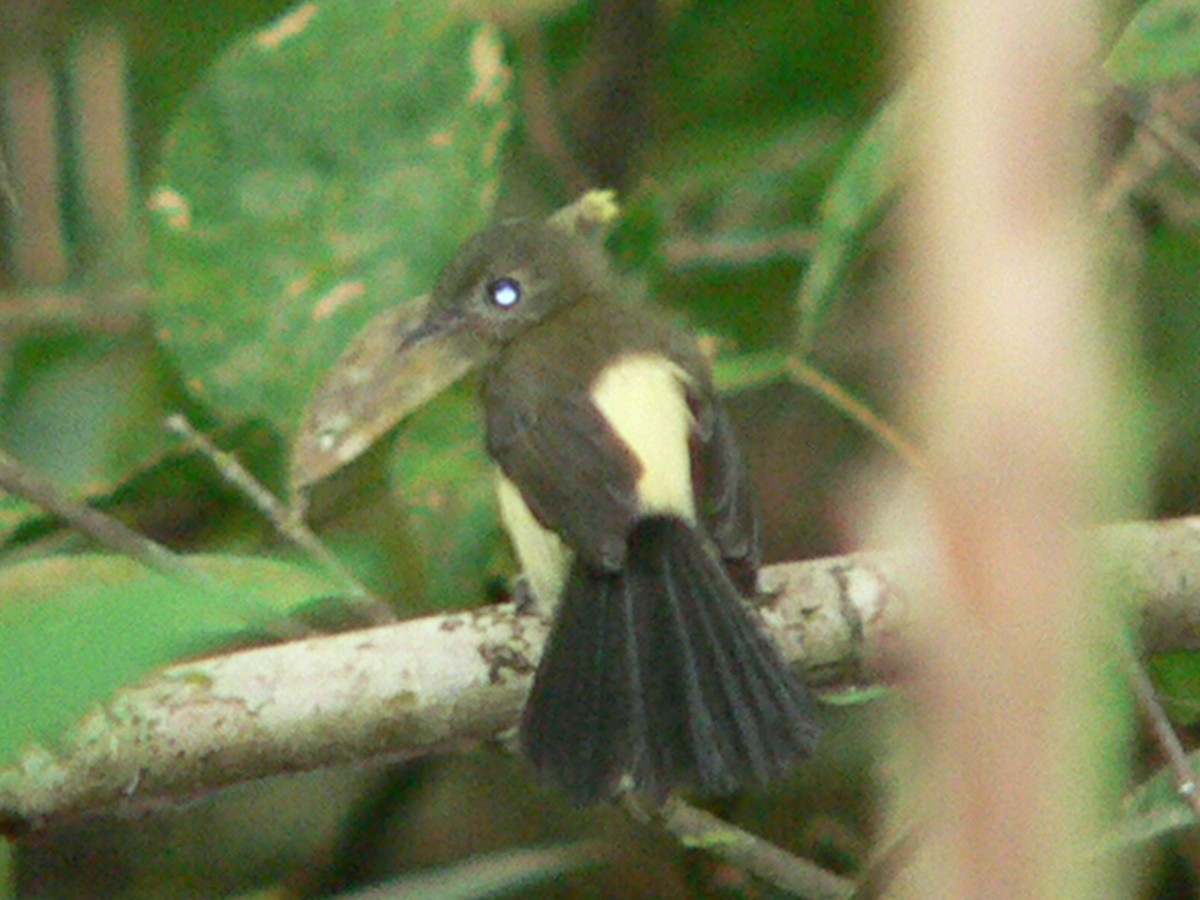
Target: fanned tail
658 675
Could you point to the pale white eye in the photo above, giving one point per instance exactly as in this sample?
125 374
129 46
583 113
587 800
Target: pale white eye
504 292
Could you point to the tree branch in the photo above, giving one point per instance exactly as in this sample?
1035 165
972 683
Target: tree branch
434 683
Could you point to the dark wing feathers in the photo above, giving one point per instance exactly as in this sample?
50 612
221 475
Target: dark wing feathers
724 498
550 446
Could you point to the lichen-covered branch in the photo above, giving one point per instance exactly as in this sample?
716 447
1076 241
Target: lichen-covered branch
443 681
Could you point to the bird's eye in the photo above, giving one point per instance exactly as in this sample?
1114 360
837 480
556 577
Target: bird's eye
504 292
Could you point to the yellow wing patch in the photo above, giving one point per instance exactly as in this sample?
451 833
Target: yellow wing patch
643 397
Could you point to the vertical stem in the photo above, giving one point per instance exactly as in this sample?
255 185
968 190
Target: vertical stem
28 107
1009 386
100 115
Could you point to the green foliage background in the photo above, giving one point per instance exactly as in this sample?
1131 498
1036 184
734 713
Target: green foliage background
298 183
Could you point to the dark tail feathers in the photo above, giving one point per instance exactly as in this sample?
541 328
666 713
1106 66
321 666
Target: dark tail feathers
659 674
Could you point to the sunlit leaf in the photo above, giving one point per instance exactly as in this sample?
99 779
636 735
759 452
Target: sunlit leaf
325 168
372 386
1160 43
367 391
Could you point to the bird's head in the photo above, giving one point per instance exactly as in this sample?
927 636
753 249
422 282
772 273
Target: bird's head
508 278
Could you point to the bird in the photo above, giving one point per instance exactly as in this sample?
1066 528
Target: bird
630 511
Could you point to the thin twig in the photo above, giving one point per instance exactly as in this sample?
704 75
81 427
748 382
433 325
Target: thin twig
688 251
857 411
1140 160
698 829
106 530
8 193
291 526
541 120
1162 730
116 535
30 311
1159 133
888 862
1164 127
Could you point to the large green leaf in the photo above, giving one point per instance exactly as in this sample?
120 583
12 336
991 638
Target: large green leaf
1160 43
325 168
863 184
74 629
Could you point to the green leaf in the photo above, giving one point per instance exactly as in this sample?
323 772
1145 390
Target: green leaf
325 168
85 410
1177 677
863 184
13 512
1155 809
164 475
443 474
74 629
1160 43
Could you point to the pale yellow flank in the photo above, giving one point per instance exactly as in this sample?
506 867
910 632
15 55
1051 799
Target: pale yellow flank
544 558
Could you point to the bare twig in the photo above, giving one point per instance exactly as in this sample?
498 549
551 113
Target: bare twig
103 528
541 118
117 536
688 250
291 526
487 874
1159 134
857 411
1140 160
698 829
1163 126
24 312
888 863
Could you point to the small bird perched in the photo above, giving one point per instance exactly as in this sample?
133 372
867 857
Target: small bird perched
630 511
